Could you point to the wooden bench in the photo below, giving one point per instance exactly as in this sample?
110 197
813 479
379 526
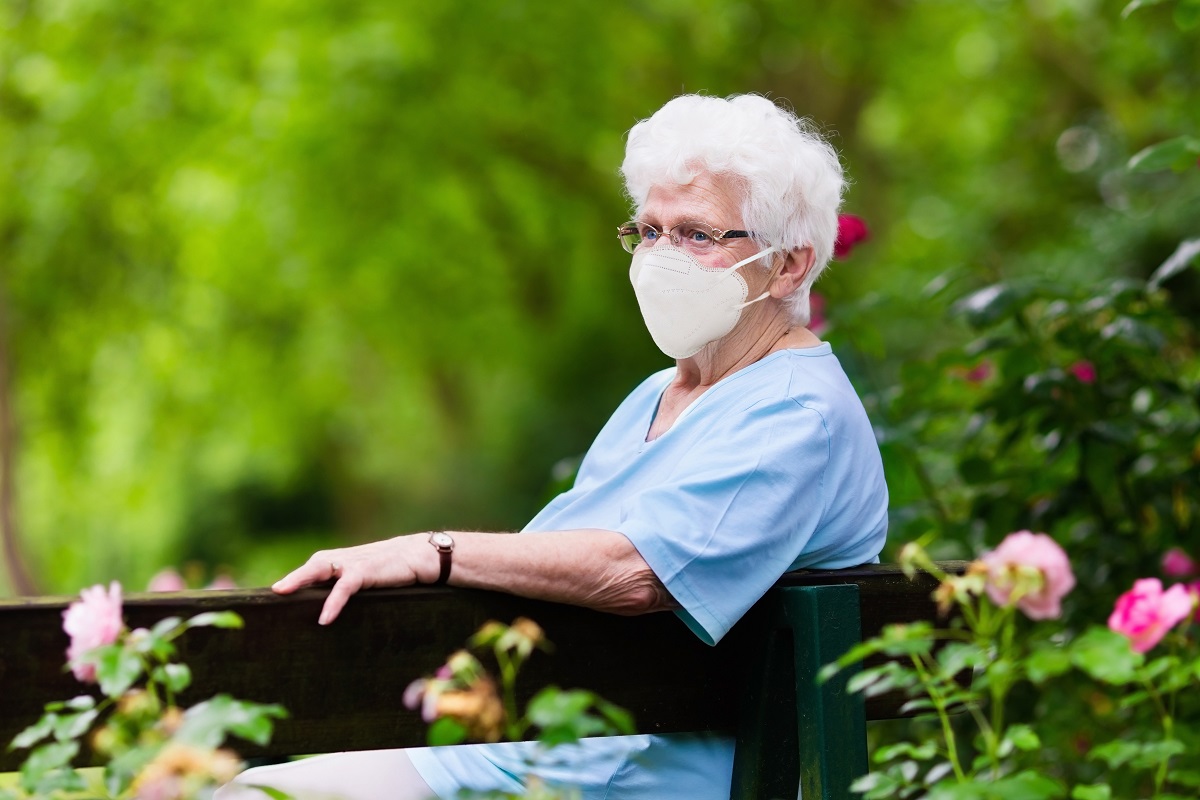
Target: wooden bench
342 684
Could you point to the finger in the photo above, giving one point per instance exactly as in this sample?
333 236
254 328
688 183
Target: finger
321 567
339 595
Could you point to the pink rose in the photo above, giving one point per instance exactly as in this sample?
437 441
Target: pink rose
92 621
1032 568
1178 564
168 580
1194 590
851 231
1145 613
222 581
1084 371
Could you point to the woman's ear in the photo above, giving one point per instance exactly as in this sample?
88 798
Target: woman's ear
796 264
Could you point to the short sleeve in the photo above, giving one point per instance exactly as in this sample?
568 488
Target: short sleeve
737 512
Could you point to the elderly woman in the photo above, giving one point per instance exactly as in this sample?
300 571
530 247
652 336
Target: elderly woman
750 457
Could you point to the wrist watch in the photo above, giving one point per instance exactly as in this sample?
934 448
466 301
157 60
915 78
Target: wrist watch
444 544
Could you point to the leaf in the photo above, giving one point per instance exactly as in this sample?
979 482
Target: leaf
1106 655
446 731
1187 15
1023 737
922 752
72 726
117 669
1046 662
271 792
176 677
1136 4
34 733
1178 153
1177 262
1096 791
165 626
1115 753
1026 785
986 306
44 759
207 724
216 619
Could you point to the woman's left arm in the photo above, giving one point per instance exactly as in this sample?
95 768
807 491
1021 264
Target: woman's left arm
594 568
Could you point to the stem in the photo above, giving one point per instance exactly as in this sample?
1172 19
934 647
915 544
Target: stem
508 681
939 704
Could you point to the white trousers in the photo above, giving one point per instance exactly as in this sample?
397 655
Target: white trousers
364 775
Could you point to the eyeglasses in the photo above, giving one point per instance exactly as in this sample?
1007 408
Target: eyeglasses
695 237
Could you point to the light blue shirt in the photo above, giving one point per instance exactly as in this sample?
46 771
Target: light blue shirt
773 468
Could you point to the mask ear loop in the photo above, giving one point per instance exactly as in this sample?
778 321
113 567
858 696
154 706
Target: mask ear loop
743 263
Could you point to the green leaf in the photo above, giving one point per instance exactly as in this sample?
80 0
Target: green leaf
44 759
1136 4
167 627
922 752
1178 153
446 731
1096 791
207 724
1047 661
176 677
1187 15
117 669
620 719
72 726
34 733
1116 753
1023 737
216 619
1026 785
1106 655
271 792
987 306
1184 255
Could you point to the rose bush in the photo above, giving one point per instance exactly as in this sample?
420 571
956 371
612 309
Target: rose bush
152 748
463 702
986 656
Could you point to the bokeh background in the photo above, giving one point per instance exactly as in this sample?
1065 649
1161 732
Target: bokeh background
280 276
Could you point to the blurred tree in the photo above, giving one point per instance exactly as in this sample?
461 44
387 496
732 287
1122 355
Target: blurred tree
285 276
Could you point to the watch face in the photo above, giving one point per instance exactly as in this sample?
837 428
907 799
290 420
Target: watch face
441 540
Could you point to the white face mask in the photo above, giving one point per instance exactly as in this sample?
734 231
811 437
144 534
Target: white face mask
685 304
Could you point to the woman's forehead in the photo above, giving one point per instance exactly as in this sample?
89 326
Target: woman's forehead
708 198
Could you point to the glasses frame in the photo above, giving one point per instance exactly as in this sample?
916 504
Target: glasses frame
718 235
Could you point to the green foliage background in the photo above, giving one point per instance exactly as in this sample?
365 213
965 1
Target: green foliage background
280 276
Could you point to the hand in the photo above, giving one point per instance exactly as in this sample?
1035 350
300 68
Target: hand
392 562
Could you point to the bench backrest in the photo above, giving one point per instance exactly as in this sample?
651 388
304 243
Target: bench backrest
342 684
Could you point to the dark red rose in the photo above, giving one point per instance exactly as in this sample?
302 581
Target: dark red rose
851 231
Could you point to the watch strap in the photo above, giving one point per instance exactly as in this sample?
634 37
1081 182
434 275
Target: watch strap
444 544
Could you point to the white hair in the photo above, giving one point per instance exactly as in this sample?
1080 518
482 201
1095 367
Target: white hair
791 177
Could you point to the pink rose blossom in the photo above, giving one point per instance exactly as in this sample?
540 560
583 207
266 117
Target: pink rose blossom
851 231
1178 564
168 580
1034 569
92 621
1145 613
1194 590
222 581
1084 371
816 313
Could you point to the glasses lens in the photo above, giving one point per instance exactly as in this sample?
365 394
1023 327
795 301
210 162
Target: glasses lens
695 237
629 236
